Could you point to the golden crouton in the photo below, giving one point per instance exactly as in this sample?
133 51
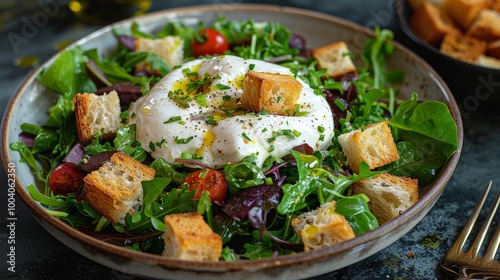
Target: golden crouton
322 227
486 26
463 47
389 195
374 145
464 12
97 113
116 187
188 237
431 24
336 58
275 93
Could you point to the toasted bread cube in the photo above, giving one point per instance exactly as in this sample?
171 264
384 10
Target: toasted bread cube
488 61
463 47
335 58
493 49
464 12
322 227
275 93
188 237
486 26
431 24
495 5
389 195
97 114
116 187
170 48
374 145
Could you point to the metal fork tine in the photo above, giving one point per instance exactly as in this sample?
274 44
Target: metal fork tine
476 246
462 238
495 241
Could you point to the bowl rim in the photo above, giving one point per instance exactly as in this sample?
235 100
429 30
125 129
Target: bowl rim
431 195
402 7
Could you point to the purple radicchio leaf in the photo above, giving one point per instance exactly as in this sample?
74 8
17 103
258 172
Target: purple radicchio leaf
128 42
28 139
127 92
96 75
76 153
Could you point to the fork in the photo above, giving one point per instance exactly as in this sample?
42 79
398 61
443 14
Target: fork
470 264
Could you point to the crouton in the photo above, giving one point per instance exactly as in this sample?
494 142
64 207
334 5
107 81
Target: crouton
389 195
115 188
486 26
97 114
275 93
464 12
488 61
170 48
374 145
493 49
188 237
335 58
463 47
322 227
431 24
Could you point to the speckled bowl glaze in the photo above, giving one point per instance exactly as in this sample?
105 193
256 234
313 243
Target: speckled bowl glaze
31 102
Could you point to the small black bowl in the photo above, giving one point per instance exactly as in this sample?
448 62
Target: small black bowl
475 87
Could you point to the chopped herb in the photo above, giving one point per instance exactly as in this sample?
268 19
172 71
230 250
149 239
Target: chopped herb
211 120
226 97
271 148
278 99
246 137
340 105
264 130
251 66
321 129
222 87
284 132
201 100
173 119
152 146
264 112
180 98
183 140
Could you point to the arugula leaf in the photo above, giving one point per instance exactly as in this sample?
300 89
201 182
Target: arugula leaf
67 74
165 169
355 209
125 141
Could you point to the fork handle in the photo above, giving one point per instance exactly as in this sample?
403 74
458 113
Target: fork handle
467 273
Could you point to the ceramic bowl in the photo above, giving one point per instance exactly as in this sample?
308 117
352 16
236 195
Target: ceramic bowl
32 100
474 86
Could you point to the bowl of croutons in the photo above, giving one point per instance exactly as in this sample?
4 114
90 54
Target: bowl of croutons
461 40
245 142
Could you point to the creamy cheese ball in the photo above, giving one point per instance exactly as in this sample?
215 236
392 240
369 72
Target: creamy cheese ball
210 124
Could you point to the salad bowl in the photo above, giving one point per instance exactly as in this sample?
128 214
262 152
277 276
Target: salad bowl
32 101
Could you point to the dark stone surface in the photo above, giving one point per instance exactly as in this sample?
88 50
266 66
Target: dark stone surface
414 256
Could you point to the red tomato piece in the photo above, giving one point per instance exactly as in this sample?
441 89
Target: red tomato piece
66 178
208 180
209 42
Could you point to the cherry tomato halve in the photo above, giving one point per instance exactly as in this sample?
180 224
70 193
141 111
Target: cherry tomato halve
66 178
209 42
208 180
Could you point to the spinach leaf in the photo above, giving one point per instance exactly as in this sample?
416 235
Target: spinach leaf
430 134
